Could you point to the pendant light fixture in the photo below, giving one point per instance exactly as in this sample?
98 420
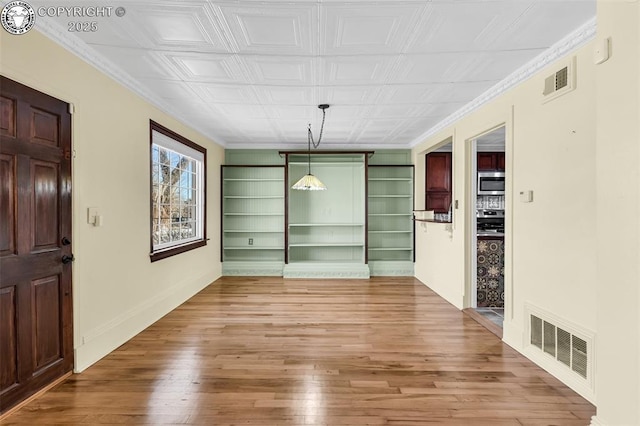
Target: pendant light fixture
309 182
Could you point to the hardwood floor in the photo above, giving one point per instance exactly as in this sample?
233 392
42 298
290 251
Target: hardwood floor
268 351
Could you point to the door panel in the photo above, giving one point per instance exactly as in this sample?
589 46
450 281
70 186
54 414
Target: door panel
8 331
44 205
7 116
46 322
44 127
36 316
7 205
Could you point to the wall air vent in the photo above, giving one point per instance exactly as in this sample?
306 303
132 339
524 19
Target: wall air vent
564 346
561 81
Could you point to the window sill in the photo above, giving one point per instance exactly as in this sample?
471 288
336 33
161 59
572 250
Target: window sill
163 254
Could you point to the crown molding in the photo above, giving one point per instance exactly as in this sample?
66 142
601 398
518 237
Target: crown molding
568 44
88 54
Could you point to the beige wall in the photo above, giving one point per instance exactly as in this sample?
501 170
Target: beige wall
575 251
550 243
117 290
618 207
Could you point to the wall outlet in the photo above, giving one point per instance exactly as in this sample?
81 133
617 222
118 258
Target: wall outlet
250 241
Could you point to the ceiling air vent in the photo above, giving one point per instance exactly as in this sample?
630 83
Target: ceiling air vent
564 346
560 82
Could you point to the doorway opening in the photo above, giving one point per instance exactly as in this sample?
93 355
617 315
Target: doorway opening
487 209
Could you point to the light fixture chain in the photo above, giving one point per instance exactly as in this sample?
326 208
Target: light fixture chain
314 143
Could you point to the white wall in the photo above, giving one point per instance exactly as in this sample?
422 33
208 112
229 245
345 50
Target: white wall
550 243
117 291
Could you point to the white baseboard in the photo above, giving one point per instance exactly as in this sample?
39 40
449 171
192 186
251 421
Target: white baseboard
512 335
102 340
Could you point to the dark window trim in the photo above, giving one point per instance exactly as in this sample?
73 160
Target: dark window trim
172 251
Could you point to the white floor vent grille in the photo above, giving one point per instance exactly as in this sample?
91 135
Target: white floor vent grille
563 345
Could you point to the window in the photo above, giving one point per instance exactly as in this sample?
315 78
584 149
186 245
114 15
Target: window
178 193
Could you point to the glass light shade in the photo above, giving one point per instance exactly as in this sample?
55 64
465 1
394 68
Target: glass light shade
309 183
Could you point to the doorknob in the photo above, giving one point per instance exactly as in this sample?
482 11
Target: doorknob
65 241
67 259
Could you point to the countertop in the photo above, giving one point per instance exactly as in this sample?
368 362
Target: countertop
490 234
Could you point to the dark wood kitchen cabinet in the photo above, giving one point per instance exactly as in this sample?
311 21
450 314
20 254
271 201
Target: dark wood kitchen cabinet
491 162
438 182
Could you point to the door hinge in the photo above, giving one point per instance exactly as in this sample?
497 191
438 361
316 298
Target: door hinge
67 154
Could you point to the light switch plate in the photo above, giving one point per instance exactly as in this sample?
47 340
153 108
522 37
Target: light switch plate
92 212
526 196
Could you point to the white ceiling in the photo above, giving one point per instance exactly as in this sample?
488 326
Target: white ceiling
250 74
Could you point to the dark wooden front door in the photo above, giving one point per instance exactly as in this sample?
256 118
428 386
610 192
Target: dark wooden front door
36 335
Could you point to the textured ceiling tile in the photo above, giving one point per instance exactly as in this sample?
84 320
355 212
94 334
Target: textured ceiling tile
524 31
493 66
173 26
360 95
242 112
359 70
138 63
286 95
206 67
175 90
396 111
225 93
251 73
463 26
380 128
298 112
436 68
379 28
408 93
272 28
281 70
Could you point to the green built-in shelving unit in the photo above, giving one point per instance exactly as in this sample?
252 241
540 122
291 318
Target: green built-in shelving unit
326 230
360 226
390 213
253 220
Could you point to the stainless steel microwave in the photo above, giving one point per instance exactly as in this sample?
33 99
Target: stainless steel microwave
490 183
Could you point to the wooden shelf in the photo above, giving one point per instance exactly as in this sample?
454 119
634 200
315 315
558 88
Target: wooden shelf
336 244
253 248
253 197
335 163
391 232
292 225
252 231
251 180
253 214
